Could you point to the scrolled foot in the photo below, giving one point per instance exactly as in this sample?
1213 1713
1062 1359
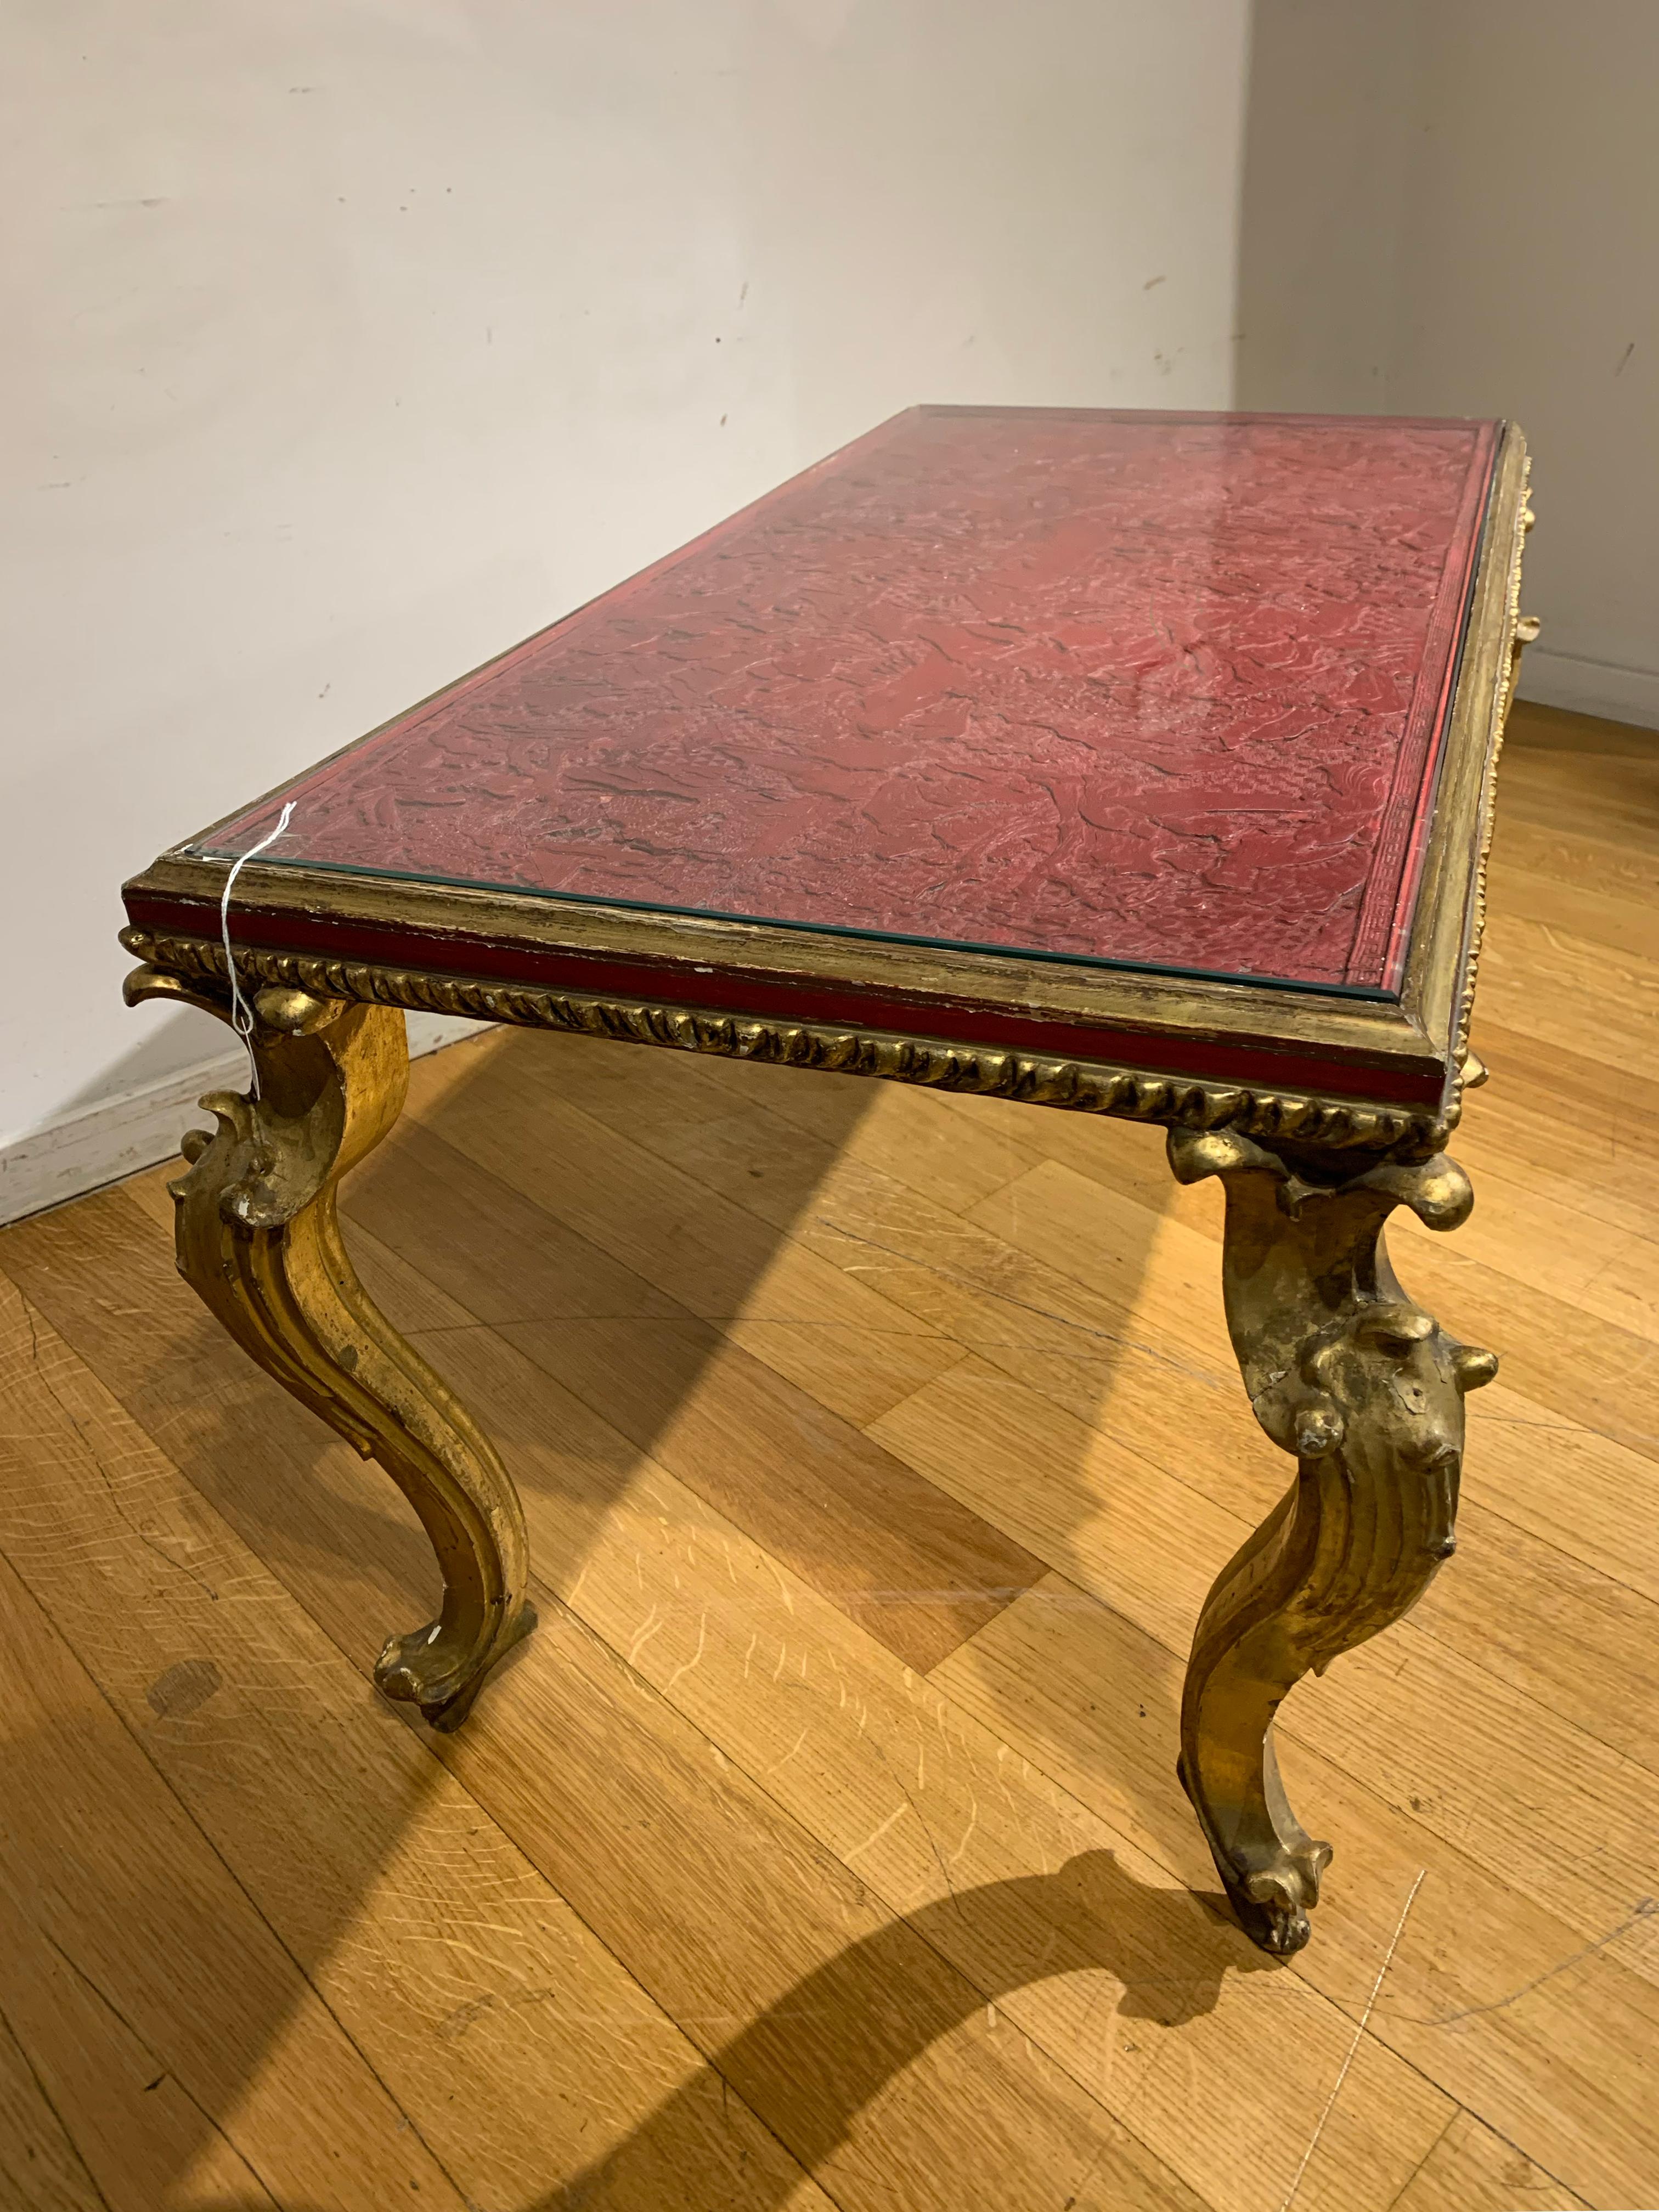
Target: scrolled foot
1272 1885
1274 1903
435 1669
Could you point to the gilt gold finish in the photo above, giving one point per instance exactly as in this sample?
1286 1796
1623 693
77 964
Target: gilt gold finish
1367 1391
1077 1086
258 1240
1343 1370
1521 630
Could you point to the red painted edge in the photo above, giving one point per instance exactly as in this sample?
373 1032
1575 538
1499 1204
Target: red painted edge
837 1002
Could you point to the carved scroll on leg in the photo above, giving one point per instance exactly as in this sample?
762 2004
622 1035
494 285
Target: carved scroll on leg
258 1240
1367 1391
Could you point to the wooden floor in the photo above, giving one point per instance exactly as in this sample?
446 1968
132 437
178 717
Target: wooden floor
823 1847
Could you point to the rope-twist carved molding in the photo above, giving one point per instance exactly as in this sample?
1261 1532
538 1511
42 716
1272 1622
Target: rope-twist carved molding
1522 629
1076 1086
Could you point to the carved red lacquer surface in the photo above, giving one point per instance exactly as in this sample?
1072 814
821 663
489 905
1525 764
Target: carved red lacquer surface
1158 690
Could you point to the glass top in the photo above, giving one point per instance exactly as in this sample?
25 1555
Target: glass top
1162 692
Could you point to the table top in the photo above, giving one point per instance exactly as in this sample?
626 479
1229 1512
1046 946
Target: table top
1161 690
1042 693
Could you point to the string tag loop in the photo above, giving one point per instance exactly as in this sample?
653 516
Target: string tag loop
241 1014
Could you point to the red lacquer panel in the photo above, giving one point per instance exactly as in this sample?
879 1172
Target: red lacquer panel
1164 691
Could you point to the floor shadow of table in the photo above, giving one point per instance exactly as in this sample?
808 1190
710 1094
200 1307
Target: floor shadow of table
627 1224
1170 1951
677 1249
479 1237
618 1234
1113 1923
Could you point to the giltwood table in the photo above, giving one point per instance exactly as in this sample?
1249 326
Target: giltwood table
1137 764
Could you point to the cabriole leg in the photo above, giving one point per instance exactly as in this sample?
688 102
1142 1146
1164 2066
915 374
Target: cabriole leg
258 1240
1367 1391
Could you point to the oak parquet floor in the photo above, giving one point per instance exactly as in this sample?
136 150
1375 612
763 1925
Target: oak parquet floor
823 1846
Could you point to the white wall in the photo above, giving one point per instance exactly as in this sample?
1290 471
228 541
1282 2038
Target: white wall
350 340
1533 243
1452 207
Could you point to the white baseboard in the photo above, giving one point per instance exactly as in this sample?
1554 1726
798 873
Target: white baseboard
1591 687
116 1137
